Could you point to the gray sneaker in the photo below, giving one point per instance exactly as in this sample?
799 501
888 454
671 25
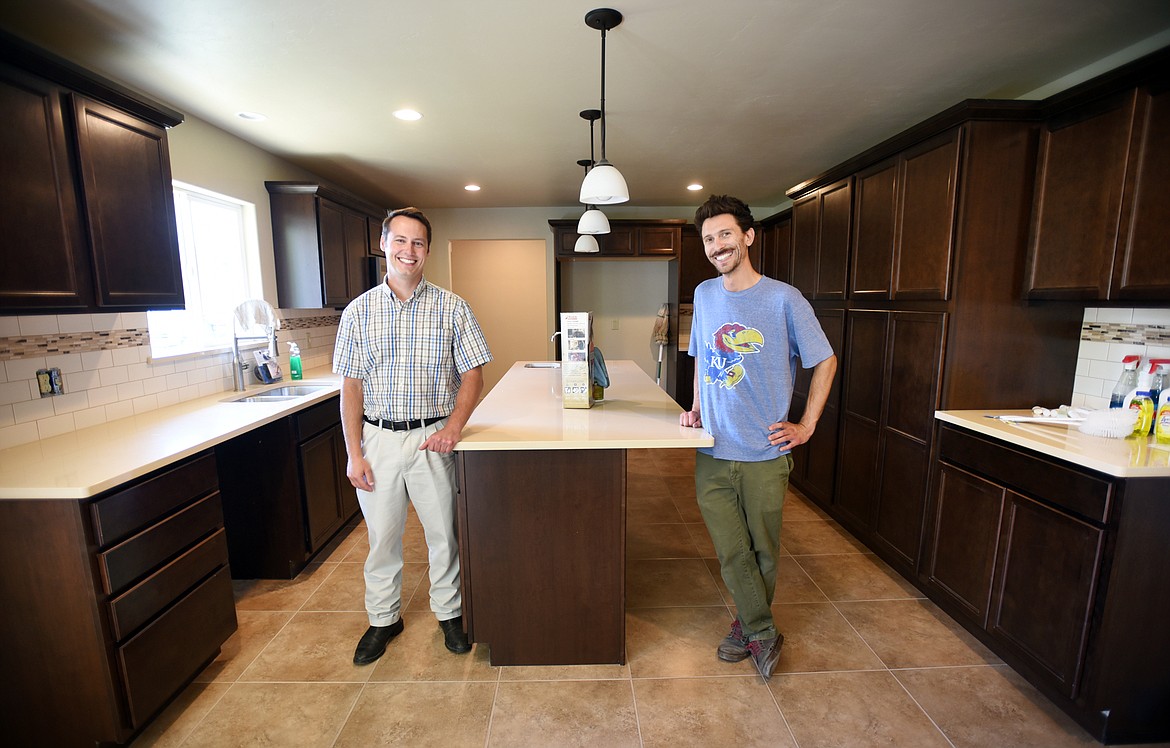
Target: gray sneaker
734 647
765 654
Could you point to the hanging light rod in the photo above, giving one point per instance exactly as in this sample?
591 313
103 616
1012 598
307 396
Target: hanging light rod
604 184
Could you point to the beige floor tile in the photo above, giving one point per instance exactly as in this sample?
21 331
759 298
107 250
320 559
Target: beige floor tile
857 576
679 643
343 589
706 712
817 638
312 647
660 541
713 569
914 633
674 461
793 585
799 509
688 508
818 536
650 510
418 654
280 594
565 672
420 715
341 545
276 714
564 713
684 581
702 538
991 706
179 719
852 710
642 485
255 630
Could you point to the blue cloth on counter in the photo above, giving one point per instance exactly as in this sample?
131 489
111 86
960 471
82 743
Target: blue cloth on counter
599 373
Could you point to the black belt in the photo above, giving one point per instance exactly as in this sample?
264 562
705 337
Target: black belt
401 425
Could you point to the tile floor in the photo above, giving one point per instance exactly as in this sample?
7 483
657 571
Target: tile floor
866 660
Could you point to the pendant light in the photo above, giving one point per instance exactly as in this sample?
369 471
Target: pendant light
587 243
604 184
593 221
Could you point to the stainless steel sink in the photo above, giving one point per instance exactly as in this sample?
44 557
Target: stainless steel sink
285 392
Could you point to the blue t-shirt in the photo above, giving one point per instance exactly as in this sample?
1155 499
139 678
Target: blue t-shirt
746 345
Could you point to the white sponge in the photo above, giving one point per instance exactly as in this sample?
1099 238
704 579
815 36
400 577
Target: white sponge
1116 423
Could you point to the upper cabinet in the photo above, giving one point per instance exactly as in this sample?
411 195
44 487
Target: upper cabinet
1100 218
321 241
89 215
904 223
627 238
821 225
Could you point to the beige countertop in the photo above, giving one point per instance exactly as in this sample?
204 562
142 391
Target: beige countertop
1121 458
89 461
523 411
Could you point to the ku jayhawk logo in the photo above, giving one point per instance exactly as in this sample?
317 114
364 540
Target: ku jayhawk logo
728 346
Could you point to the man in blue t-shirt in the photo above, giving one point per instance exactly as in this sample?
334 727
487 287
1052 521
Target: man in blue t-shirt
747 336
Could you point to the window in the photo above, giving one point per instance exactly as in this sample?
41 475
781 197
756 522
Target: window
218 250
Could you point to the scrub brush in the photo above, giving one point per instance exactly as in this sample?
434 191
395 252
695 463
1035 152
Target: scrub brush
1115 423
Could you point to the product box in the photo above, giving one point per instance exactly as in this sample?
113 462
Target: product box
576 366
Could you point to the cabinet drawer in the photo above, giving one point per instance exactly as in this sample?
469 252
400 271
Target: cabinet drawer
314 420
121 514
142 601
1074 491
145 551
161 658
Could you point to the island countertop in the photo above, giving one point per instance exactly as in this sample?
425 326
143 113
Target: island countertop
524 412
1120 458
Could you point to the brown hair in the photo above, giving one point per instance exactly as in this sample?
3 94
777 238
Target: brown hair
718 205
414 213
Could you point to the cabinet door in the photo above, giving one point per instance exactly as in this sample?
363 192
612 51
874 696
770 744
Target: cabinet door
374 229
693 268
1142 270
1077 209
964 535
873 241
1046 579
619 242
805 231
833 243
45 263
357 243
320 482
348 494
816 460
776 253
928 192
659 240
126 170
864 365
334 256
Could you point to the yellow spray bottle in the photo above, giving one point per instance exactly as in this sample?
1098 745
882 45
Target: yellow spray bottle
1162 417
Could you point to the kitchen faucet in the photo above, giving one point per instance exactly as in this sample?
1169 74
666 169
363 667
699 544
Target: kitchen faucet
246 314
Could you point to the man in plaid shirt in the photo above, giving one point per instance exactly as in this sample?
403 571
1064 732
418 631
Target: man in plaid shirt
412 357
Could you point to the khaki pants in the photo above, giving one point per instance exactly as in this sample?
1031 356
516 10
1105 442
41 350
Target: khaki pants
742 503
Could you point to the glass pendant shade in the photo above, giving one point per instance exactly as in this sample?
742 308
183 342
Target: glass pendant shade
604 185
586 243
593 221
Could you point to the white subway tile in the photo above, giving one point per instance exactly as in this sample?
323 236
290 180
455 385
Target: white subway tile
9 327
167 398
139 371
133 321
38 324
1152 316
33 410
1114 315
105 322
1083 366
145 403
6 416
1118 351
1106 370
130 390
113 375
177 381
23 368
89 417
190 392
82 380
14 392
208 388
1090 315
99 396
69 402
185 364
21 433
154 385
125 356
66 362
119 409
74 323
1093 349
161 370
55 426
97 359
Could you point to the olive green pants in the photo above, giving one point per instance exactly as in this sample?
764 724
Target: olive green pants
742 503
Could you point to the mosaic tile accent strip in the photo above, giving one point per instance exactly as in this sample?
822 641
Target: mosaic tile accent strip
1135 334
31 346
304 323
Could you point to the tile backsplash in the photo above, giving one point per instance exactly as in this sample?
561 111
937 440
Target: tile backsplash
108 373
1107 336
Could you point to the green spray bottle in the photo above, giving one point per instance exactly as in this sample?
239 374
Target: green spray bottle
294 361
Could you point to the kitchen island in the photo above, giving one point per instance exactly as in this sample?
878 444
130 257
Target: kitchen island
1051 546
542 507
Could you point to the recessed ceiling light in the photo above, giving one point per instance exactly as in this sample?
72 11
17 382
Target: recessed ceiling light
251 116
407 114
694 187
472 188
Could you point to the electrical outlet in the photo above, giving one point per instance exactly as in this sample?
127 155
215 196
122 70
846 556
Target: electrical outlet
615 325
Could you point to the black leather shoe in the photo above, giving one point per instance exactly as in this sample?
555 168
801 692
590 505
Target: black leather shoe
373 643
453 636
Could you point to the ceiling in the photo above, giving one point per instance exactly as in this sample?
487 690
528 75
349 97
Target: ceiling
743 96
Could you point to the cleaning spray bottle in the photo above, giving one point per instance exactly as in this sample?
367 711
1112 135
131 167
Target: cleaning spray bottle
1142 403
1158 373
1126 383
1162 419
294 361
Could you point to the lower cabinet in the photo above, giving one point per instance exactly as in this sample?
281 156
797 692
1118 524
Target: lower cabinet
1061 571
285 491
119 602
814 463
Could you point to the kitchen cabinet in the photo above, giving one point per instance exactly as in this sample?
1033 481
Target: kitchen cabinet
1060 570
321 239
1100 218
904 223
890 390
627 238
122 599
285 491
776 247
87 188
821 226
815 462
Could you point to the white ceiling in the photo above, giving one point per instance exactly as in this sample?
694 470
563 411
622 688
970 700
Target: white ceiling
744 96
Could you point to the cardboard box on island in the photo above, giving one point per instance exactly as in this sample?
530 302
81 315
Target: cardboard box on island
576 359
